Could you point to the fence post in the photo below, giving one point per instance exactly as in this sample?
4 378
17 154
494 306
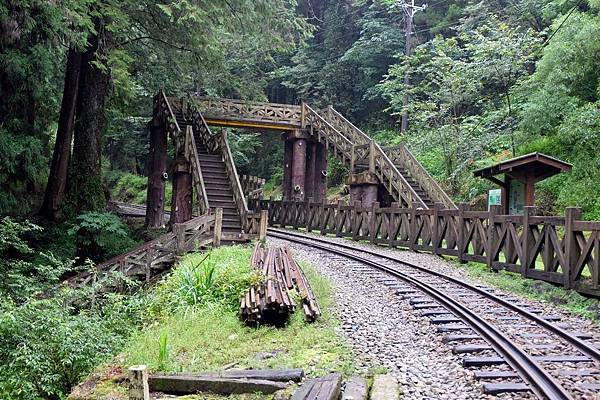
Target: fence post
436 240
138 383
372 156
528 241
309 213
414 239
373 222
492 235
262 229
355 219
572 250
178 230
462 233
218 227
393 222
339 222
323 222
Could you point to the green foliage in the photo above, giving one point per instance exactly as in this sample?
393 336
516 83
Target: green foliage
25 271
217 279
162 351
47 347
100 236
128 188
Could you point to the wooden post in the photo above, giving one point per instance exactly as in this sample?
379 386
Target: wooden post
181 208
352 159
338 220
414 239
179 231
299 169
287 168
462 233
528 241
262 232
312 175
372 156
373 222
492 235
323 223
138 383
218 227
436 241
157 176
320 187
572 250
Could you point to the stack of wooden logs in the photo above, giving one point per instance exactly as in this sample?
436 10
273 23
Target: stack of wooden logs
272 301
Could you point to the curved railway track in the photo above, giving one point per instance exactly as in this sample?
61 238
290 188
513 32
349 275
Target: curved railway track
546 359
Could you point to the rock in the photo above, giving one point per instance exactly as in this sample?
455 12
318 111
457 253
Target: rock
356 389
385 387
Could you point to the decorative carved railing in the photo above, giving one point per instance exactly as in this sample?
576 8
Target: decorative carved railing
249 111
403 157
150 260
559 250
191 155
252 186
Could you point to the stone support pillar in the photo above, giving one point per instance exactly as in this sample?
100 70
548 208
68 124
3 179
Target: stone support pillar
363 187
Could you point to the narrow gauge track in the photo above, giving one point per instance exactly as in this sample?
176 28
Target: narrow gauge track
504 325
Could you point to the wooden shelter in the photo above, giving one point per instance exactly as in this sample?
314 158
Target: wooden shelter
520 176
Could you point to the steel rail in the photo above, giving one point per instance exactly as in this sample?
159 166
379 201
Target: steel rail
582 345
540 381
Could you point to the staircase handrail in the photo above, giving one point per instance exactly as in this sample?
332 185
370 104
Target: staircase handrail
406 158
381 164
236 187
166 111
343 147
191 155
200 126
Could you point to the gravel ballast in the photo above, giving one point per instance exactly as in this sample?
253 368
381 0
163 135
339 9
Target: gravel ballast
385 331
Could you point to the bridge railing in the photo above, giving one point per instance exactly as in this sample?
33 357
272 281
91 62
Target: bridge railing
249 111
556 249
191 155
149 261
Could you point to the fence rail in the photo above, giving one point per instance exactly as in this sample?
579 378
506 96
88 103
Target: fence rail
561 250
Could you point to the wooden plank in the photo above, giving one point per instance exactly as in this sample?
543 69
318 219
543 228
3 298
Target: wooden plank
327 387
356 389
277 375
190 384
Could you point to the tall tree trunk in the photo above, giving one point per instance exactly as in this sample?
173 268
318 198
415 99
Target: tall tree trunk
85 185
57 180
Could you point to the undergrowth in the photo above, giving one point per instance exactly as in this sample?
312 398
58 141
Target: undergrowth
197 312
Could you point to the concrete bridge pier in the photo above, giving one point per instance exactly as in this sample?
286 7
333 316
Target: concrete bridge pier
364 188
304 167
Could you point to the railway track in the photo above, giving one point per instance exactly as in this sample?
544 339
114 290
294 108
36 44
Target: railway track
512 347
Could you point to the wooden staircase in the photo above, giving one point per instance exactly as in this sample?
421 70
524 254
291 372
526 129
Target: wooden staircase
217 184
218 188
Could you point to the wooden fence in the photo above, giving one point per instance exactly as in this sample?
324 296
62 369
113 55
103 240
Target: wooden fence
561 250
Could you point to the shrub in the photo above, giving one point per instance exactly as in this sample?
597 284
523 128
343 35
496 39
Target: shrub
24 271
47 348
100 236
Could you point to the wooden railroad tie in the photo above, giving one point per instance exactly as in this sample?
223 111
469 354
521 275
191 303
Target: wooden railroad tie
272 300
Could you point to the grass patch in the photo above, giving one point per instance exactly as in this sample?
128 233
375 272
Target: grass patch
204 332
569 301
